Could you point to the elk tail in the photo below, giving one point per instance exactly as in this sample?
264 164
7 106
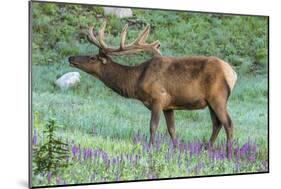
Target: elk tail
230 75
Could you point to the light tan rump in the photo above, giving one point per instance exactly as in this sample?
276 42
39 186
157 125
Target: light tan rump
230 74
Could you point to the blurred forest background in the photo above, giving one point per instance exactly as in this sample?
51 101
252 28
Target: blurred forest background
60 31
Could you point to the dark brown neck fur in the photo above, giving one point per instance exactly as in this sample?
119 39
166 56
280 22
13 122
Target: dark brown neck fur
122 79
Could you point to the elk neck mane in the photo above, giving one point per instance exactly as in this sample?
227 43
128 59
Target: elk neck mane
120 78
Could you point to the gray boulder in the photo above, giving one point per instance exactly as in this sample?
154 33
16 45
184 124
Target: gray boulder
68 80
118 12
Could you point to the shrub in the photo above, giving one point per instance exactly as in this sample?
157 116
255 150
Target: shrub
52 155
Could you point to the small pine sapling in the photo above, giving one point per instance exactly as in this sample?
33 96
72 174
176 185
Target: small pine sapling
53 154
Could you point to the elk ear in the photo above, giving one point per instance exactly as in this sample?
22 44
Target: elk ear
102 56
103 60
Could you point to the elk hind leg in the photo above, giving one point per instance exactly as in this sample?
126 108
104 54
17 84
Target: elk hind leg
220 110
216 126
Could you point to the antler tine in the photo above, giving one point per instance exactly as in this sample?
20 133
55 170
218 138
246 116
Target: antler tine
92 37
156 47
145 34
101 36
123 36
142 36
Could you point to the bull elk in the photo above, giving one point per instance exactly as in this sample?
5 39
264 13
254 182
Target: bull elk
164 83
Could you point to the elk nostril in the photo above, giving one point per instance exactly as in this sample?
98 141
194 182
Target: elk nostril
71 59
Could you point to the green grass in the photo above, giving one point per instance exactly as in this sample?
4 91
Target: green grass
242 41
116 119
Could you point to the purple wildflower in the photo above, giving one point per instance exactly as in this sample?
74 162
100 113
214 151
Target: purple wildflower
79 152
158 146
229 155
221 153
196 148
181 147
253 153
85 153
49 177
237 153
211 155
104 157
138 136
217 155
251 158
175 143
191 152
35 137
96 153
114 161
151 176
90 153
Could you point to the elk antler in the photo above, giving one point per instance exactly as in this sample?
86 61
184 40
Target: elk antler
137 45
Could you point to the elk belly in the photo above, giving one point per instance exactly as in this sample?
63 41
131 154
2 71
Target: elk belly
188 104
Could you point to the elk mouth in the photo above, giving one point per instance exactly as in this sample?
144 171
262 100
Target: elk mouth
72 64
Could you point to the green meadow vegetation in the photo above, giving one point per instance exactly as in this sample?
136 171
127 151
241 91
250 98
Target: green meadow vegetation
107 134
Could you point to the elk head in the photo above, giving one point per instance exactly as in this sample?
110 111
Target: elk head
94 63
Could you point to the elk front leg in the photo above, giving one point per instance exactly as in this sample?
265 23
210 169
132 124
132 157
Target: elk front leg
170 121
154 121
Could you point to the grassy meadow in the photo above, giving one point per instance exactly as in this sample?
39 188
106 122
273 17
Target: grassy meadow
108 134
